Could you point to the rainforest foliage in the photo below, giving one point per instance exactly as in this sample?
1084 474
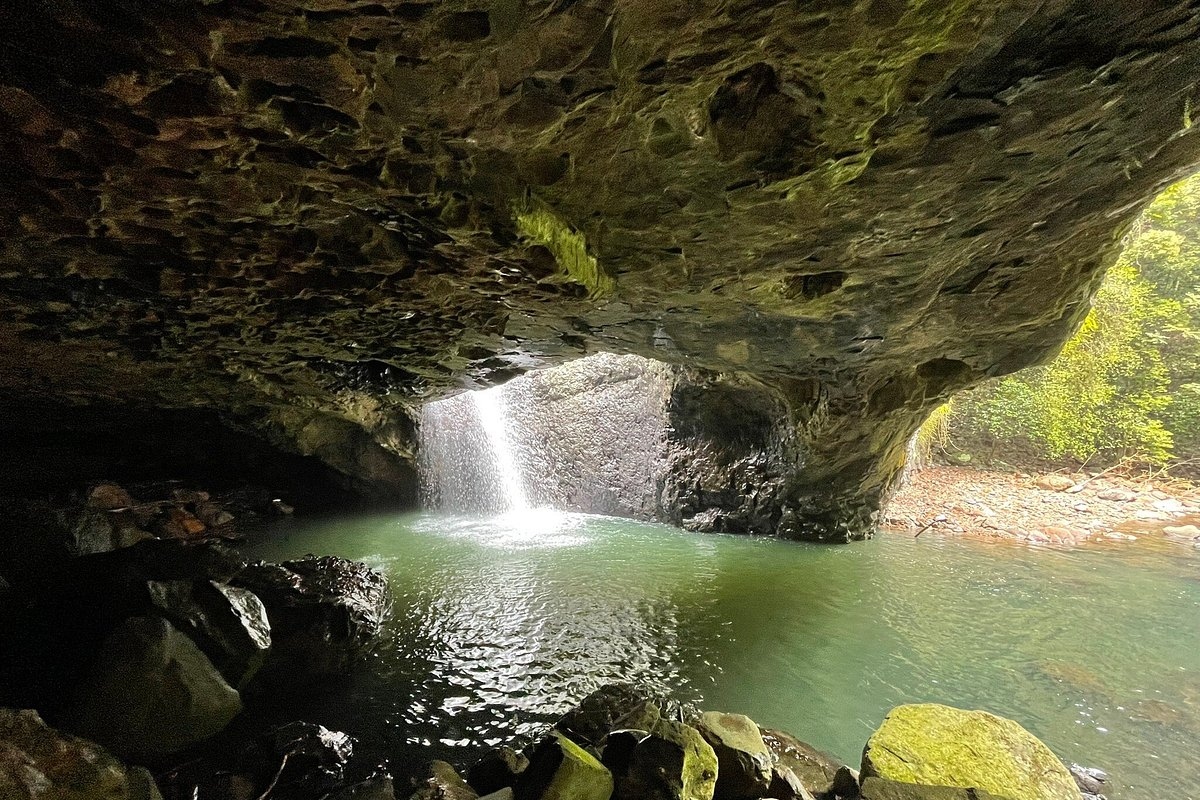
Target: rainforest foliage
1128 383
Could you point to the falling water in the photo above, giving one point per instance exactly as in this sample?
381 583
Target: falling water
468 463
489 407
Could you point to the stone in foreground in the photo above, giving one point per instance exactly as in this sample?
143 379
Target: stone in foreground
444 783
744 762
881 789
559 769
325 614
816 770
672 763
151 692
39 763
942 746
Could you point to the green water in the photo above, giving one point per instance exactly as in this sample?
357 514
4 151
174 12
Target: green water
500 625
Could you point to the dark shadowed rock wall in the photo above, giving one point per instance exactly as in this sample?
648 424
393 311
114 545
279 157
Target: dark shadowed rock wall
316 215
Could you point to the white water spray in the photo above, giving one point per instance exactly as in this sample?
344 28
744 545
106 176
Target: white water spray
490 409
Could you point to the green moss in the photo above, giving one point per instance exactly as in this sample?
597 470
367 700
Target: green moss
579 776
939 745
539 223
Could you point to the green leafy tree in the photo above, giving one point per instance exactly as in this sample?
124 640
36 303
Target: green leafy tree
1128 383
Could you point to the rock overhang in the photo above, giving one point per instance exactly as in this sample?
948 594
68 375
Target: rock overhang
302 210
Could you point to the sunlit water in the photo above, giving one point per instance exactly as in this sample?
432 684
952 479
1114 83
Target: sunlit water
500 625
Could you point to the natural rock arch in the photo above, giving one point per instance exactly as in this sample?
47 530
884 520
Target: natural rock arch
306 213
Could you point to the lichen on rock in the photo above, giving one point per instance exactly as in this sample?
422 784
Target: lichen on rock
939 745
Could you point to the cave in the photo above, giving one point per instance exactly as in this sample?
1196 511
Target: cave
719 259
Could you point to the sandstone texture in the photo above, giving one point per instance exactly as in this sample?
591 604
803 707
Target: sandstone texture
313 216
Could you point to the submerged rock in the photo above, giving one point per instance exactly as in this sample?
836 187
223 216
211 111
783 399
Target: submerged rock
151 691
559 769
325 613
942 746
40 763
1091 781
817 771
742 756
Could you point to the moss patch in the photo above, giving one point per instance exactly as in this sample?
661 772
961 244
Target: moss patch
939 745
539 223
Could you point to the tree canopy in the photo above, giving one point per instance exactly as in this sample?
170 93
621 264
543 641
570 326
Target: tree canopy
1128 383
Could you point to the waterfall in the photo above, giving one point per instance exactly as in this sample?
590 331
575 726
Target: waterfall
468 463
489 406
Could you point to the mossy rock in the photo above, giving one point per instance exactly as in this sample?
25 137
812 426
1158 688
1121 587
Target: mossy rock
743 760
942 746
559 769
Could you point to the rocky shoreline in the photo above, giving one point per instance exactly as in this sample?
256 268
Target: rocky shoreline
1049 508
139 636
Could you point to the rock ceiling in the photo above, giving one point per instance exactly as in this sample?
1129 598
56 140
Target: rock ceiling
355 205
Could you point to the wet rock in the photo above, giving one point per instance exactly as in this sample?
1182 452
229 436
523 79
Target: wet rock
303 759
618 748
325 613
1091 781
881 789
612 707
109 497
818 771
497 769
377 788
40 763
943 746
228 623
500 794
151 691
176 523
444 783
846 782
559 769
672 763
785 785
742 756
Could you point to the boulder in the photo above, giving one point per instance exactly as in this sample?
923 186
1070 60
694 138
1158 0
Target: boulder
497 769
1091 781
612 707
316 759
881 789
444 783
151 691
943 746
228 623
815 769
559 769
744 762
40 763
672 763
786 786
325 613
376 788
109 497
